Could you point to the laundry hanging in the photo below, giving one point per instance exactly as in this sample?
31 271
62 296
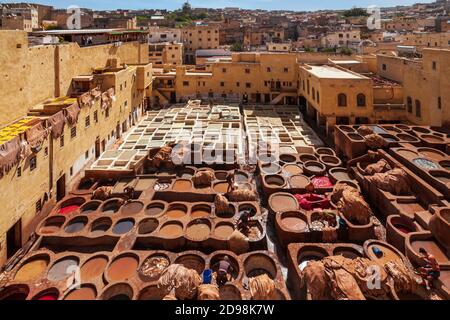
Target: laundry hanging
72 113
9 154
57 123
35 136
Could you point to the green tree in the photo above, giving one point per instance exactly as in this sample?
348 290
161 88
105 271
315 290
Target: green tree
237 47
355 12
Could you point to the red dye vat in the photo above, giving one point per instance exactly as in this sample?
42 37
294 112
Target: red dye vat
47 297
68 209
322 182
311 201
402 228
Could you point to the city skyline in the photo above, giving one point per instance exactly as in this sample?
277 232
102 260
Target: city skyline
245 4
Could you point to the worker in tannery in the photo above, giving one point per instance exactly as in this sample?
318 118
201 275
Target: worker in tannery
231 179
431 271
244 220
224 270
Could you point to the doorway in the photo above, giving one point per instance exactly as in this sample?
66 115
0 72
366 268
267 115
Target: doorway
14 239
97 148
61 188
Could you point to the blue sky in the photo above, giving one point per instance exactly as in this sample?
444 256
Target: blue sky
299 5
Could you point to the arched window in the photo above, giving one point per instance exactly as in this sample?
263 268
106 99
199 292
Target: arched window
409 104
361 100
418 109
342 100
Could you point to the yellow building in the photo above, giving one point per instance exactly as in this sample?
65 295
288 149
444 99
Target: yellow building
105 88
170 53
199 37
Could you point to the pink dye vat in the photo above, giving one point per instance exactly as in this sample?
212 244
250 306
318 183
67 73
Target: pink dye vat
311 201
322 182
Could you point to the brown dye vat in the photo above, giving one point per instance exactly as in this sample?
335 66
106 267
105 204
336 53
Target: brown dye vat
431 139
299 181
346 129
445 164
52 225
292 169
100 226
221 187
151 293
280 202
432 247
406 137
132 207
355 136
310 253
349 253
148 225
223 230
229 292
274 180
270 168
15 292
389 252
332 160
220 175
83 293
32 269
111 207
409 209
119 291
339 174
62 268
442 176
408 154
420 129
153 266
154 209
325 151
198 229
192 261
176 211
90 207
229 214
200 211
76 225
93 268
314 168
293 222
182 185
258 264
122 268
433 154
287 158
305 157
171 229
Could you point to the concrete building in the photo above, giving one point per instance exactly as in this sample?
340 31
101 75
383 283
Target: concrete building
346 38
157 34
199 37
103 90
168 53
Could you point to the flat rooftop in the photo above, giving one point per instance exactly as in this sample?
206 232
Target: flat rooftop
329 72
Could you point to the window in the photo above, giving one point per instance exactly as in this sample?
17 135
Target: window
33 163
86 154
222 84
268 69
248 85
38 206
71 171
342 100
409 104
418 109
73 132
439 103
106 112
87 121
19 172
61 141
238 84
247 70
224 70
383 67
186 83
361 100
46 151
434 65
285 70
96 116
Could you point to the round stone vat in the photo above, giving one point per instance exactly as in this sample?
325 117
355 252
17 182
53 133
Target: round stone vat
123 226
229 292
220 174
305 157
33 268
388 252
424 163
420 129
445 164
47 294
315 168
90 207
93 268
294 221
270 168
147 226
200 211
259 263
220 187
76 225
111 206
407 137
338 174
292 169
151 292
52 224
132 207
182 185
85 292
282 201
229 214
192 261
389 137
171 229
70 205
216 258
223 230
346 128
432 154
288 158
63 268
397 228
198 229
123 267
441 176
274 181
153 266
118 291
347 252
309 253
403 127
15 292
355 136
176 211
100 226
330 161
299 181
155 208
